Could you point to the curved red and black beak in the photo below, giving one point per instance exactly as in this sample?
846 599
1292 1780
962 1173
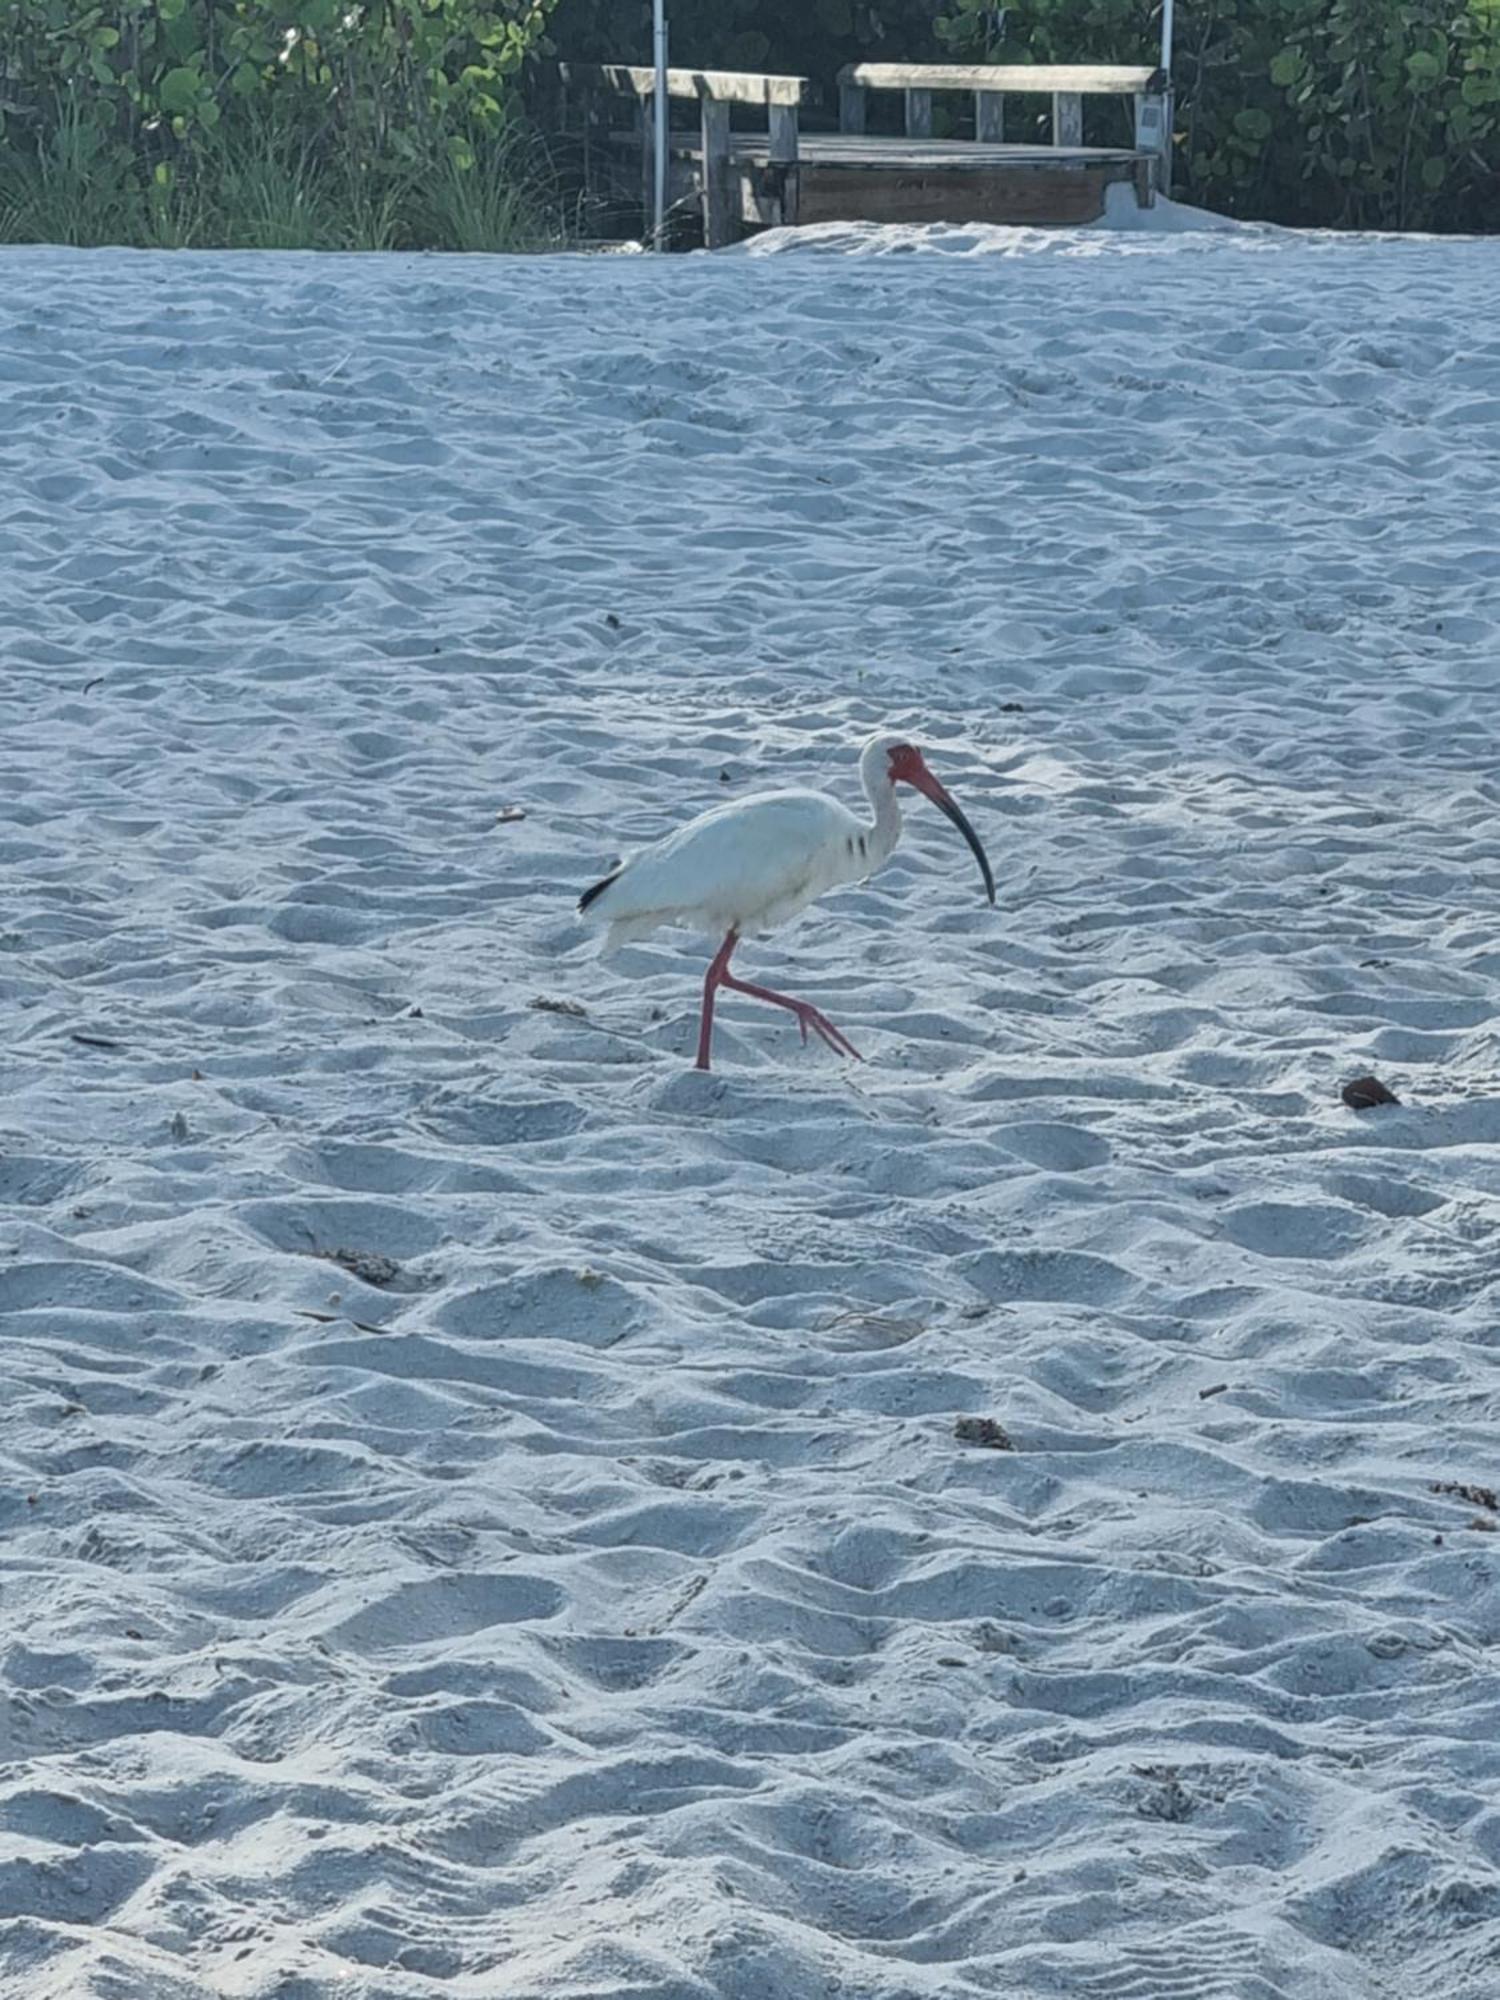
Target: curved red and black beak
912 771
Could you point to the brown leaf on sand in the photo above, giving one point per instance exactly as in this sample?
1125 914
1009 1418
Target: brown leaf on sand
1363 1093
983 1430
1474 1496
508 815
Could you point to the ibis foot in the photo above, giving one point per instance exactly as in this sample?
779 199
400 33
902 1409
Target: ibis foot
807 1015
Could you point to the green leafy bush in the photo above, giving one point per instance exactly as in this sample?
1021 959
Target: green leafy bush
288 122
1351 113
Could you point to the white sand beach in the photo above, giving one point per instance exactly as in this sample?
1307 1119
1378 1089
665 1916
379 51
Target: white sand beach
483 1518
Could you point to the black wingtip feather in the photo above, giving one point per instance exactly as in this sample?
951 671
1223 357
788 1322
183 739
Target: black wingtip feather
593 895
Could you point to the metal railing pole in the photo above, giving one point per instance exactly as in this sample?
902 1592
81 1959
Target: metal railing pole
661 107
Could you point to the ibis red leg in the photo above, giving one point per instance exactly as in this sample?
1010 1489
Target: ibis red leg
711 982
808 1016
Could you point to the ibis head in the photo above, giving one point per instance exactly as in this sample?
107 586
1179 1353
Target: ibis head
894 761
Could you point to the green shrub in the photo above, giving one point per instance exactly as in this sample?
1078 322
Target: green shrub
286 123
71 185
1352 113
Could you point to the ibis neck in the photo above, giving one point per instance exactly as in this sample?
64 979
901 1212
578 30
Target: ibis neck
887 828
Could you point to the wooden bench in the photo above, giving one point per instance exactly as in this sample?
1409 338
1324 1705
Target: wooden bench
716 91
1067 84
781 173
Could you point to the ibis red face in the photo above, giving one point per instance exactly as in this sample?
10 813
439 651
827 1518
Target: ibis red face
907 768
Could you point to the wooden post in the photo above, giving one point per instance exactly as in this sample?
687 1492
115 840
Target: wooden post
851 108
783 121
1168 117
989 117
782 154
919 114
1067 118
718 207
1153 133
791 197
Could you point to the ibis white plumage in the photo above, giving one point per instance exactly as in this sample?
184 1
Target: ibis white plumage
751 864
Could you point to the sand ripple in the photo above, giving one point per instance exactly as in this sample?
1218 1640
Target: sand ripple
481 1505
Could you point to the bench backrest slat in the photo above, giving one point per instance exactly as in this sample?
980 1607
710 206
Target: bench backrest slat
1074 79
717 86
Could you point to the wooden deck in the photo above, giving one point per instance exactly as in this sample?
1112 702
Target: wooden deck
866 177
739 181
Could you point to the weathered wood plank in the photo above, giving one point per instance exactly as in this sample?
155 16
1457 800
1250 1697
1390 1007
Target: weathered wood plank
919 114
783 134
851 107
721 86
883 153
1088 79
1029 195
718 194
1067 118
989 117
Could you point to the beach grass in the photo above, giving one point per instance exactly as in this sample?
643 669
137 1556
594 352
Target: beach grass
261 185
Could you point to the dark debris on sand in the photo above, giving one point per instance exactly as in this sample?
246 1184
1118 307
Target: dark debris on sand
1363 1093
1474 1496
983 1430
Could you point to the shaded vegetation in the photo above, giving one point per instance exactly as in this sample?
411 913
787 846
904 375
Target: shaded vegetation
270 124
1349 113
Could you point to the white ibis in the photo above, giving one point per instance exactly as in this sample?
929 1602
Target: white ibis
751 864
